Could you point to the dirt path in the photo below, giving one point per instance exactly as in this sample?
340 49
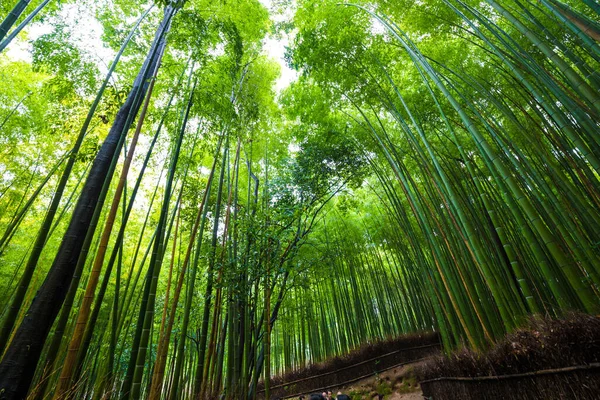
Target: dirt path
396 384
406 396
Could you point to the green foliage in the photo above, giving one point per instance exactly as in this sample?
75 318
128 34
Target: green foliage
72 73
434 166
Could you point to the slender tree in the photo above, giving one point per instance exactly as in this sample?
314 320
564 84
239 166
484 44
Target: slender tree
18 364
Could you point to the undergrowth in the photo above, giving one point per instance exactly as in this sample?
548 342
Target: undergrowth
543 343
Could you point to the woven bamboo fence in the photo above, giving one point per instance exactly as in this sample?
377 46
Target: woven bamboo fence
577 382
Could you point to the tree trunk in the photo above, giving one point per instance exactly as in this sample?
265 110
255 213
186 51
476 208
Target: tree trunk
12 17
4 43
86 305
18 365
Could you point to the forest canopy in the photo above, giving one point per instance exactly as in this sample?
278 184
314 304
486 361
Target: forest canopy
198 195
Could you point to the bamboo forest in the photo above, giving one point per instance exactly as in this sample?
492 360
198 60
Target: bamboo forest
198 196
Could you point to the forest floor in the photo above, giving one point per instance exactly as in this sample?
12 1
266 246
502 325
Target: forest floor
354 373
395 384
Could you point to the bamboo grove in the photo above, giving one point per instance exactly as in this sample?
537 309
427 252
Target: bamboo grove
172 226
